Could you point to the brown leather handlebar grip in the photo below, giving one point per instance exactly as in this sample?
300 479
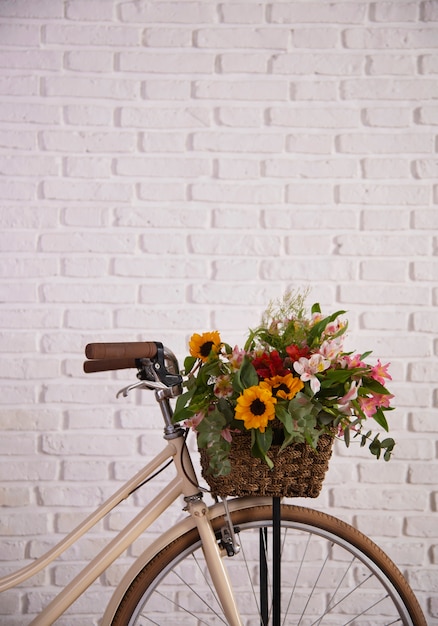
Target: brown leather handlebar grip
121 350
103 365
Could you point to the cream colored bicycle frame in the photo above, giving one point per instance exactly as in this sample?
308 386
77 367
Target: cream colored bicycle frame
200 515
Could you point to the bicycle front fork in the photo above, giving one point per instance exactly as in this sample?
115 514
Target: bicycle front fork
219 575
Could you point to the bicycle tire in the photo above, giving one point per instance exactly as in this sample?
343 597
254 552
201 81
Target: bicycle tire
332 575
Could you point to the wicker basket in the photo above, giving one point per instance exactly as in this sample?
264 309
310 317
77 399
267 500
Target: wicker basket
298 471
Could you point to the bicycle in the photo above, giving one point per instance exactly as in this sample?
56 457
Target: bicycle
244 562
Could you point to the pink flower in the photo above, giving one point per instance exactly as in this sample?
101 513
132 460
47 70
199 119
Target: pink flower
226 434
236 357
370 404
307 368
344 402
354 361
223 387
379 372
194 421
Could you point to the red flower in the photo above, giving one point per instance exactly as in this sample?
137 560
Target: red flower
269 364
295 352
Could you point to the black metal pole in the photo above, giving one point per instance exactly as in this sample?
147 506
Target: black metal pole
264 601
276 562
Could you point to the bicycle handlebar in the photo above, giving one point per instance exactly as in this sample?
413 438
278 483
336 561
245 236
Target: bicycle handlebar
103 365
117 356
121 350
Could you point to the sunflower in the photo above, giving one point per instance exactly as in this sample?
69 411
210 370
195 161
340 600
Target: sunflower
201 346
285 387
256 407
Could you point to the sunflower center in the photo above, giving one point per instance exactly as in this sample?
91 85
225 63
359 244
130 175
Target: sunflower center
281 387
257 407
206 348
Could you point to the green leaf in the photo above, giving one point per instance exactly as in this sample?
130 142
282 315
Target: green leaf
316 330
315 308
246 376
380 418
261 442
189 363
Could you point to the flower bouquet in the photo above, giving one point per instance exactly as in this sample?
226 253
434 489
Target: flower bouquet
274 407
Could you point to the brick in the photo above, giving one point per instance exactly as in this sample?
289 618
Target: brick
167 37
14 85
424 270
306 63
87 293
96 11
166 63
320 168
236 116
313 118
97 191
260 90
395 270
37 9
383 117
295 219
234 218
311 193
81 60
141 217
87 115
87 167
250 142
235 244
425 168
394 11
13 165
379 168
384 499
241 13
391 64
89 444
163 141
425 219
404 195
304 270
252 294
237 169
389 38
176 268
429 11
425 322
23 113
316 37
27 35
235 63
162 192
29 267
262 38
387 88
167 12
158 319
192 117
428 64
166 167
317 12
246 269
96 35
427 115
310 144
383 143
319 90
100 88
235 193
31 60
394 293
167 90
17 190
24 525
92 142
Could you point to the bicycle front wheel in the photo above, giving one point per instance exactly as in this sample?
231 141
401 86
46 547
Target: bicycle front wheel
331 575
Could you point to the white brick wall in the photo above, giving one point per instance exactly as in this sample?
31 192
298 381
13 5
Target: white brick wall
168 167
